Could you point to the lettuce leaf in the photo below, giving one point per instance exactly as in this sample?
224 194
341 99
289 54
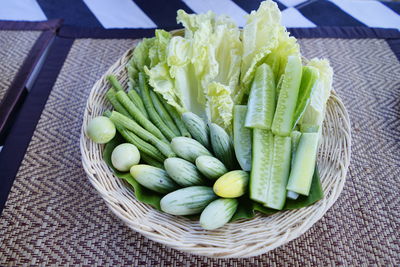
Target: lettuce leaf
314 114
162 82
216 59
182 71
201 70
309 79
193 22
163 76
228 50
140 55
158 51
220 105
132 74
264 40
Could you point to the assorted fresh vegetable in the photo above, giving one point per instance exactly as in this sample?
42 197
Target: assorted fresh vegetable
188 148
153 178
242 137
218 213
218 122
304 164
212 168
125 156
101 130
287 99
183 172
280 167
232 184
187 201
261 104
262 158
222 146
197 128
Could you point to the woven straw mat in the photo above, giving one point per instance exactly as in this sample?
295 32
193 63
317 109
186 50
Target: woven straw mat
14 48
53 216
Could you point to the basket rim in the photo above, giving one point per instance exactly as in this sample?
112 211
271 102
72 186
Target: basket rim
112 203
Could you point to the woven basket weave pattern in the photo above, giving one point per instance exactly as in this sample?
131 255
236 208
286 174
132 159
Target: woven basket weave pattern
244 238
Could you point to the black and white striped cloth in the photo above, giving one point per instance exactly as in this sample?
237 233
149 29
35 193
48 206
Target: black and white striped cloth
161 13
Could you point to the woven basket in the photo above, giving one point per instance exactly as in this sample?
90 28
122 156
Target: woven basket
243 238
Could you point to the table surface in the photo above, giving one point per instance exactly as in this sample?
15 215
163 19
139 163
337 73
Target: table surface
146 13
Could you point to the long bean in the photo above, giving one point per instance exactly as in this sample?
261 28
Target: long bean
151 161
115 83
137 115
120 120
176 117
114 102
143 146
151 110
137 100
137 89
164 113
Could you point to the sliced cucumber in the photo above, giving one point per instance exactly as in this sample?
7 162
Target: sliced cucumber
309 80
295 135
283 118
304 164
292 195
261 105
278 88
276 196
263 145
273 60
241 137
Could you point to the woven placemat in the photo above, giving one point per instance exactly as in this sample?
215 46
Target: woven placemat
14 48
22 46
53 216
